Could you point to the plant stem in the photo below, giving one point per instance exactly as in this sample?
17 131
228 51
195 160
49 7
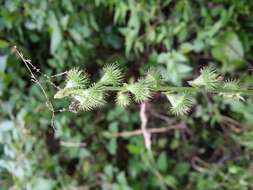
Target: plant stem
187 89
149 130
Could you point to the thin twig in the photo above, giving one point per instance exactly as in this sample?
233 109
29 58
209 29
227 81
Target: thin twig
58 75
150 130
37 70
162 117
232 124
144 121
72 144
199 165
49 104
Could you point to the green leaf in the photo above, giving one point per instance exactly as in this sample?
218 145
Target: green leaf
181 169
162 162
112 145
245 140
77 37
175 67
134 149
4 44
229 50
55 31
43 184
171 181
120 12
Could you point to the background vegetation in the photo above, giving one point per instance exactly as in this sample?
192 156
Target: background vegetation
209 149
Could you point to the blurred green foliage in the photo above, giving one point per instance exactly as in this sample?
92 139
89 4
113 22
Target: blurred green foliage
212 152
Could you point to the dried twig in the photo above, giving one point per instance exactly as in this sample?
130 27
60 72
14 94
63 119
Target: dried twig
231 123
144 121
199 165
28 63
150 130
162 117
72 144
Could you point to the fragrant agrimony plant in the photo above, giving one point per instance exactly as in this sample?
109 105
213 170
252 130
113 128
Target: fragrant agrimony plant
86 95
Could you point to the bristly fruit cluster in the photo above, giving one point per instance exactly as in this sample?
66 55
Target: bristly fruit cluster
87 96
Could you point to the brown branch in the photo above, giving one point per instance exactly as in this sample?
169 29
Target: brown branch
144 121
150 131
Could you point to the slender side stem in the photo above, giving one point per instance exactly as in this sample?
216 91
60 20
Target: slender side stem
188 89
34 79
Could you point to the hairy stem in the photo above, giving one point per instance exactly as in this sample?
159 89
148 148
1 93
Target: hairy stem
187 89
